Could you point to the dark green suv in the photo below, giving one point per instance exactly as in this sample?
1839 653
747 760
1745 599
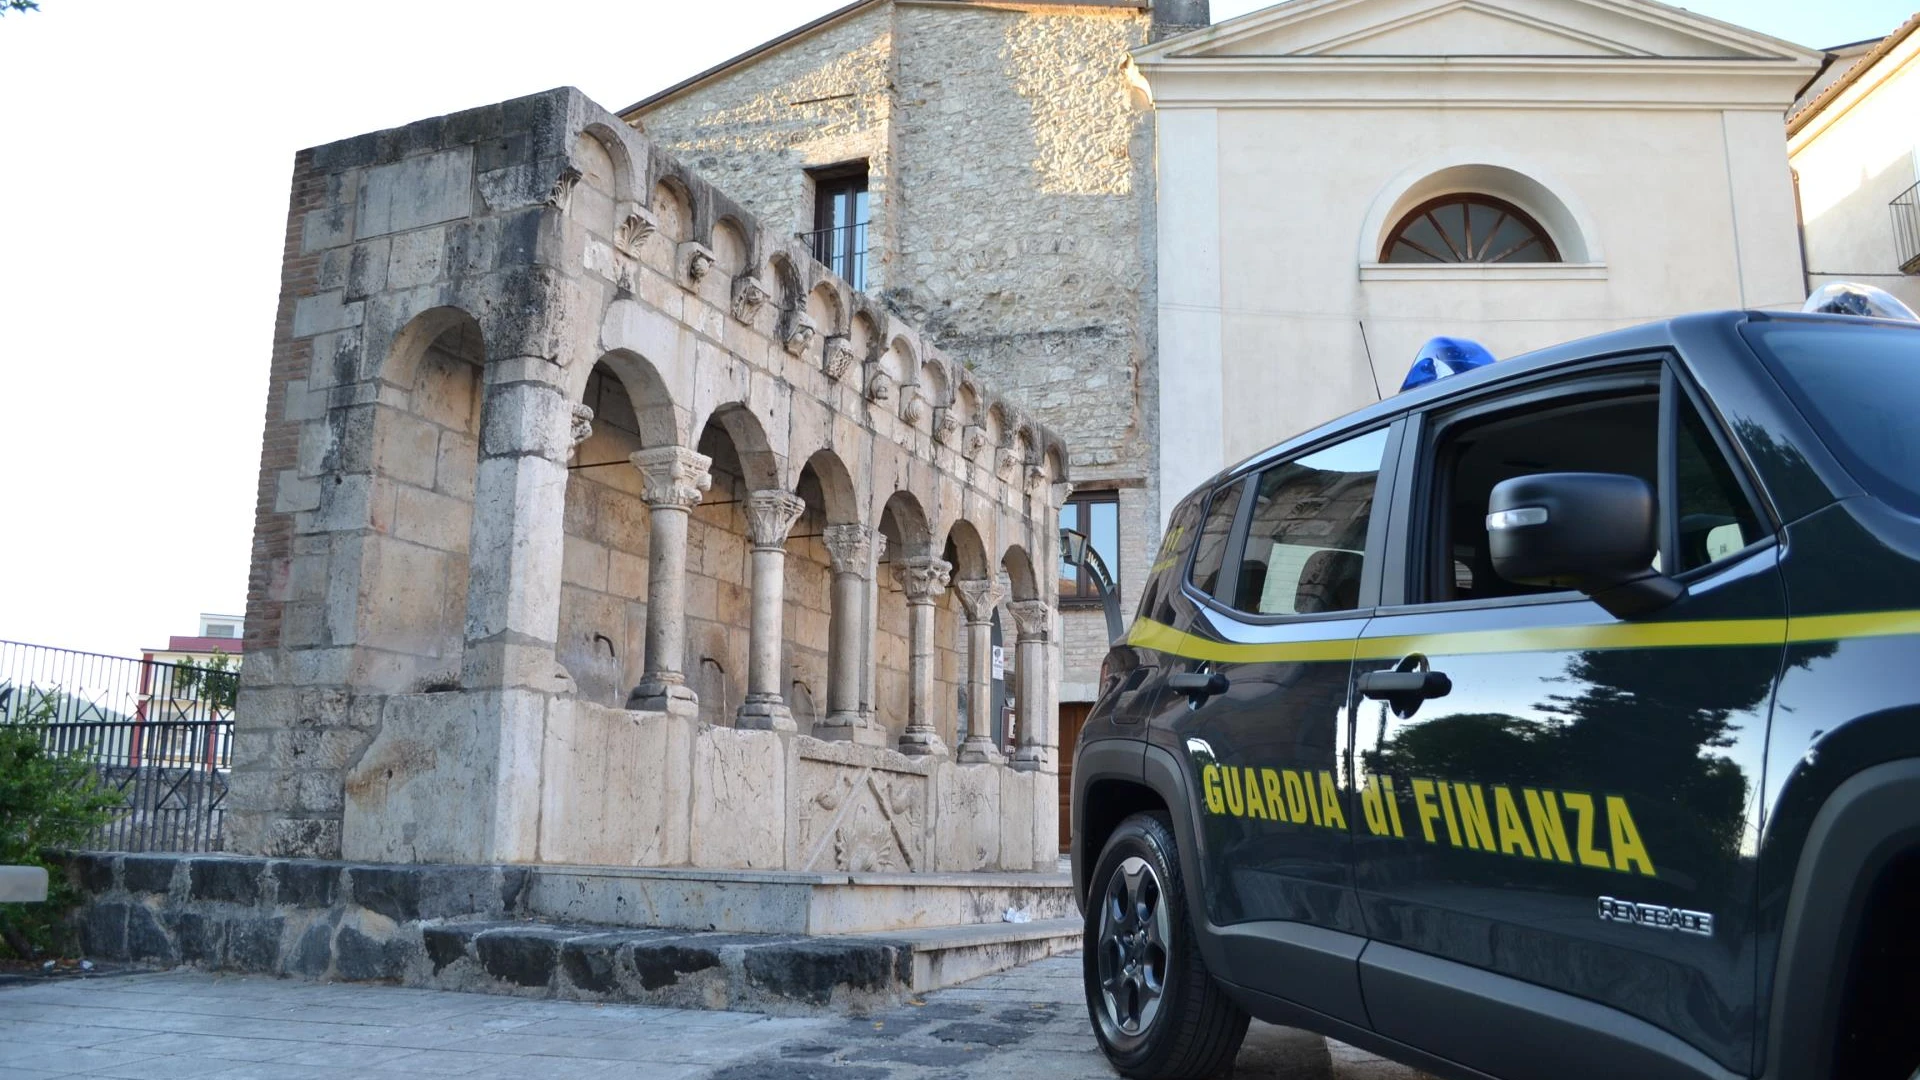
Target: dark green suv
1560 718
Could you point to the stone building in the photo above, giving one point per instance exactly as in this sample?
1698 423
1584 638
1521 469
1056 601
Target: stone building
600 524
986 168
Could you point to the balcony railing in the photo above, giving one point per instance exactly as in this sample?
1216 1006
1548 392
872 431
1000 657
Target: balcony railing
1906 229
842 250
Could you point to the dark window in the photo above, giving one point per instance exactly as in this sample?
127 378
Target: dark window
1856 382
1096 514
1468 229
839 236
1608 432
1307 535
1210 550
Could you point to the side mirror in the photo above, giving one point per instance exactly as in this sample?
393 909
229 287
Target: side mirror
1594 532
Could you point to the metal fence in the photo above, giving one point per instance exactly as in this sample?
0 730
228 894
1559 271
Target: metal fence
159 734
1906 229
842 250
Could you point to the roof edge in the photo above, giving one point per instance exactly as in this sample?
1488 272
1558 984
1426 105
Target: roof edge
769 45
1834 90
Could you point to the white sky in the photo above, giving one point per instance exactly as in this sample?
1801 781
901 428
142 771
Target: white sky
145 151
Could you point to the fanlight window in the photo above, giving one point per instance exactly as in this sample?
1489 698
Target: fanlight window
1469 229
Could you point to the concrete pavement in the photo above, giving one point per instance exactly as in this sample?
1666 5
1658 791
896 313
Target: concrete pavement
1028 1022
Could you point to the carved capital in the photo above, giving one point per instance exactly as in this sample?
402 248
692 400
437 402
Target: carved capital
748 296
837 357
922 577
912 406
1036 478
945 423
696 259
582 426
972 441
1008 460
561 196
638 224
980 596
673 476
800 332
879 384
852 548
1032 620
770 517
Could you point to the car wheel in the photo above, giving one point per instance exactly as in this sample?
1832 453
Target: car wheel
1157 1012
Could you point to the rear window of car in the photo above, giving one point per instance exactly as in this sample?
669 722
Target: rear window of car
1858 384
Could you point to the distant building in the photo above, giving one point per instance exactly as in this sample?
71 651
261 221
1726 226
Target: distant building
217 633
187 696
1854 141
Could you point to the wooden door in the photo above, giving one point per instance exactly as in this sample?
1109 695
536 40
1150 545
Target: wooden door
1073 716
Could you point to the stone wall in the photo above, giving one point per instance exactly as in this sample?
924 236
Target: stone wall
1011 174
498 307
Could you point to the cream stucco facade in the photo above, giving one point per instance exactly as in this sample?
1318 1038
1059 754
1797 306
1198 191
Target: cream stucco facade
1644 139
1855 148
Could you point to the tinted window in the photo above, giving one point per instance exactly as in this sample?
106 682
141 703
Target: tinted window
1162 577
1716 519
1210 552
1857 384
1307 536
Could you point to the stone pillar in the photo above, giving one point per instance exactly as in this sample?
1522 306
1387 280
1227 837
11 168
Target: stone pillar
1033 620
869 659
674 479
850 634
923 578
980 596
770 516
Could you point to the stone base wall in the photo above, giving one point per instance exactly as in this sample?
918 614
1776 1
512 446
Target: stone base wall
450 928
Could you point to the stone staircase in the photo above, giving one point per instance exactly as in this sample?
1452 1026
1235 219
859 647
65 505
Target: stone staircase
772 941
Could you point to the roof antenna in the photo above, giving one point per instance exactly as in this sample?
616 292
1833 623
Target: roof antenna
1371 370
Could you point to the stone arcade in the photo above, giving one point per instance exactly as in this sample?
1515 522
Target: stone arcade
599 525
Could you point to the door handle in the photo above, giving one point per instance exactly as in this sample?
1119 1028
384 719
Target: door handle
1198 685
1394 686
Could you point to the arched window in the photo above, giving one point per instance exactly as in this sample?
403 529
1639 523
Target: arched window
1468 228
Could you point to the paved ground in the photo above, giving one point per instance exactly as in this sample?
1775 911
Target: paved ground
1027 1023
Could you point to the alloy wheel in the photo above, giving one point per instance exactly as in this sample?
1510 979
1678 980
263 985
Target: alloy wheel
1134 932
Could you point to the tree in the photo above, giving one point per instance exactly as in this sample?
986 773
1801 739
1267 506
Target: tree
47 801
18 5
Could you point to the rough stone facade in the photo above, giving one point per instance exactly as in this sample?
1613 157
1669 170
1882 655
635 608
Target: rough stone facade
1011 193
605 525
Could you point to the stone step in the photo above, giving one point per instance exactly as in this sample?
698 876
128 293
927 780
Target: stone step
790 902
946 955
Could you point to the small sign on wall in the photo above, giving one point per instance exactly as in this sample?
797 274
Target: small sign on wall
1000 661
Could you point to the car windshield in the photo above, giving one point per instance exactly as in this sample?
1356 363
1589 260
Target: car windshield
1859 385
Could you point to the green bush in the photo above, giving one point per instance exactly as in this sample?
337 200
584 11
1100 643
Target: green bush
46 801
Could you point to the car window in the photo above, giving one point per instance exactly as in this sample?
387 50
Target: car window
1210 552
1307 534
1715 516
1163 577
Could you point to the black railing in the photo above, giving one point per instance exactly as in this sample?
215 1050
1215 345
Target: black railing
1906 229
159 734
842 250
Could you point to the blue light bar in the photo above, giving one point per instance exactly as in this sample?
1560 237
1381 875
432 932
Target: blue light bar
1445 356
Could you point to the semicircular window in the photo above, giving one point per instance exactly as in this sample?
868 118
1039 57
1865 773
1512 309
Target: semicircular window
1467 228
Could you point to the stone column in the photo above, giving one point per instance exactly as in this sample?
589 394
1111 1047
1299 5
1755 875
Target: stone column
851 549
980 596
674 479
770 516
923 578
869 659
1033 620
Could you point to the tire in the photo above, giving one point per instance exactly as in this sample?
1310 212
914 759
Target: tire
1156 1010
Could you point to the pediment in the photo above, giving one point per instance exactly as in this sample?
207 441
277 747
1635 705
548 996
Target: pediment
1487 28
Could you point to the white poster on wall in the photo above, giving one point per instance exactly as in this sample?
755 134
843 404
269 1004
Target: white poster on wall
999 661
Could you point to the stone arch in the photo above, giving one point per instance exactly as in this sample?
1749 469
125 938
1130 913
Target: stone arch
731 253
786 278
934 384
672 206
839 496
829 315
966 400
424 452
1056 463
598 190
623 185
863 335
904 524
1522 183
998 425
649 404
1018 566
966 551
760 465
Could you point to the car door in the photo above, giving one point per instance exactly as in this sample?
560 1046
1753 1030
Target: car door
1557 828
1259 654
